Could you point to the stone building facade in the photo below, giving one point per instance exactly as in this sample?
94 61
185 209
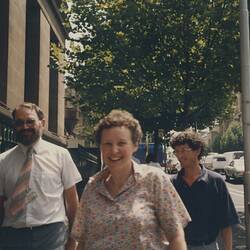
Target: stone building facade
28 27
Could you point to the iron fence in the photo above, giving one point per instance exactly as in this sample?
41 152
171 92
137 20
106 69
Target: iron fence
7 135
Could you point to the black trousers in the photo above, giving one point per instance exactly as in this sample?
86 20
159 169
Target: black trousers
46 237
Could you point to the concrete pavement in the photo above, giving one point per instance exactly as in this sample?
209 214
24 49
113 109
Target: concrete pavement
239 234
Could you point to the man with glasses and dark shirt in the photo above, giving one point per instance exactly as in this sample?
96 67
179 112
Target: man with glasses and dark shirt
204 194
38 197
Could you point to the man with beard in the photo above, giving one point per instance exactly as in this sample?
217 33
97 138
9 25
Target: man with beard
205 195
38 197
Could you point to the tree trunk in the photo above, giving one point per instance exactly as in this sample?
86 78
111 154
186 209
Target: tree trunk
156 144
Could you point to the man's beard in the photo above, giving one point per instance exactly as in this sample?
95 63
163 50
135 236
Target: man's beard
29 139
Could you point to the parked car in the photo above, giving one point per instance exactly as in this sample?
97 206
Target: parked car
235 169
233 155
215 162
173 166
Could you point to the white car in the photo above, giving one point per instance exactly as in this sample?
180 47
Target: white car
173 165
215 163
235 169
233 155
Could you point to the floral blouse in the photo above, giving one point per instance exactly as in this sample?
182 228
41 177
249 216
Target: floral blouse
141 216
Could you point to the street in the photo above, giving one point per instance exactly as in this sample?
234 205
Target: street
236 190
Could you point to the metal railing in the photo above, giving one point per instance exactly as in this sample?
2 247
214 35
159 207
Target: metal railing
87 163
7 136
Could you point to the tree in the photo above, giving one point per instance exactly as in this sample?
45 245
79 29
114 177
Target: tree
171 63
216 145
231 140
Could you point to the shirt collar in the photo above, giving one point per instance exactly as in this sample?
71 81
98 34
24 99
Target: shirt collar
35 146
103 174
202 177
137 171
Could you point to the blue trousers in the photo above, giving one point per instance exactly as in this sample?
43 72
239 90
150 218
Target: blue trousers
46 237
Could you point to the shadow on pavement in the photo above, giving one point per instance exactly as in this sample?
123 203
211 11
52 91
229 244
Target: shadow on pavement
235 181
239 234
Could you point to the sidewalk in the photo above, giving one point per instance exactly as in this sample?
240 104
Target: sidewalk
239 234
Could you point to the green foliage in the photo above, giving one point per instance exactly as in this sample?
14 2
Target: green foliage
231 140
171 63
216 147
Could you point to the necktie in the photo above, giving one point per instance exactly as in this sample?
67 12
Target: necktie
22 194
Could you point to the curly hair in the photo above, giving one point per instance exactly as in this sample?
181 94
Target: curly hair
119 118
191 138
29 105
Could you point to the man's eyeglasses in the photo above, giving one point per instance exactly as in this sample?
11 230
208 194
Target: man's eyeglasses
183 150
28 122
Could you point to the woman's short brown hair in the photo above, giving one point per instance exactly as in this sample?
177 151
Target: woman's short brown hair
119 118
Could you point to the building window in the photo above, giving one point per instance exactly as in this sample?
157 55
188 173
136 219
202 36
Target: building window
32 52
4 31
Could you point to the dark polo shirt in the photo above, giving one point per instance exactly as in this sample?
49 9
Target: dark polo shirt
209 205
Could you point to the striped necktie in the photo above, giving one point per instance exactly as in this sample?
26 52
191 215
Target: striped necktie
22 194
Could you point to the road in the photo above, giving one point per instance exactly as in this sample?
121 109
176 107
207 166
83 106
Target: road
237 193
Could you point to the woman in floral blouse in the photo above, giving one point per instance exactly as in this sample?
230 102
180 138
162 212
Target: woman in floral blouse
128 206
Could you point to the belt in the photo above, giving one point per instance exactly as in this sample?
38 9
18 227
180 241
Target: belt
200 243
31 228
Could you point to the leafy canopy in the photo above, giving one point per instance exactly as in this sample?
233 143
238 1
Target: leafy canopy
173 64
